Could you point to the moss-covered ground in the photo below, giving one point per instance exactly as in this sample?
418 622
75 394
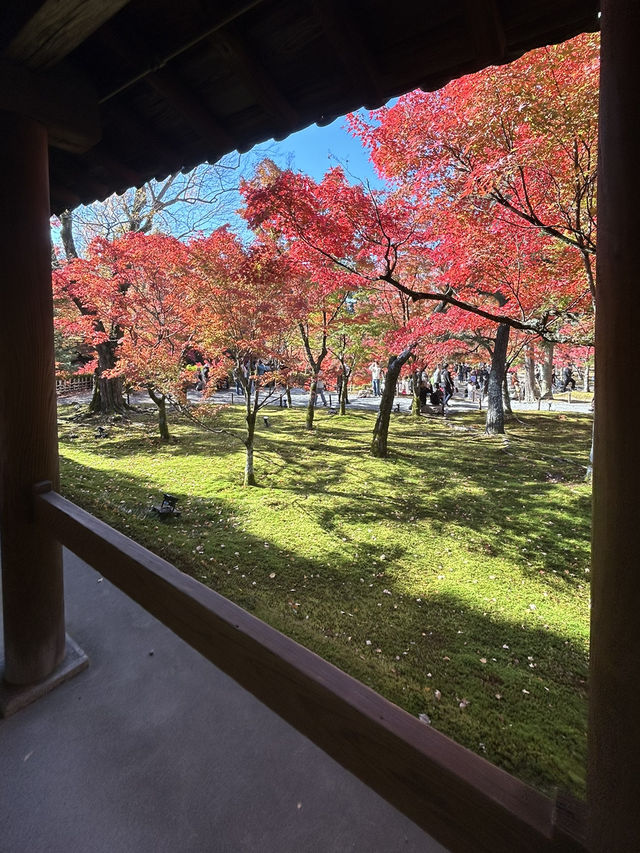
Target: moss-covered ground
452 577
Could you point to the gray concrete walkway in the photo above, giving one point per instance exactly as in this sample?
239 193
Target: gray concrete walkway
300 398
154 750
459 403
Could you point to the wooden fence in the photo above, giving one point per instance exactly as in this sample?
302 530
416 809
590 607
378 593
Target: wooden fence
81 382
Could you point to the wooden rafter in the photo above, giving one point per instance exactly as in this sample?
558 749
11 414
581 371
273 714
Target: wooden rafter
62 196
348 44
130 127
102 157
149 64
191 108
166 83
57 28
258 79
485 30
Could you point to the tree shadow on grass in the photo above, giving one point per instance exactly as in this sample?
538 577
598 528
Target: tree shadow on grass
526 510
514 691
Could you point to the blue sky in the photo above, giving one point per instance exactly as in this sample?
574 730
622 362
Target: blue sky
316 149
313 151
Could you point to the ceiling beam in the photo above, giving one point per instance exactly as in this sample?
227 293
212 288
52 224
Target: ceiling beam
60 100
57 28
171 88
206 27
13 17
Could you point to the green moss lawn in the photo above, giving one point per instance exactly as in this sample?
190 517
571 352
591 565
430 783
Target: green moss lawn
452 577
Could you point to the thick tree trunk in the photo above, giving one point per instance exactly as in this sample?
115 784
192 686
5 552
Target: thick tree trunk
161 402
546 391
531 390
311 407
381 428
287 392
495 412
107 393
249 475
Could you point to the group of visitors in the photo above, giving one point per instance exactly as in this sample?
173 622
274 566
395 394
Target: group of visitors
246 370
202 376
435 389
438 389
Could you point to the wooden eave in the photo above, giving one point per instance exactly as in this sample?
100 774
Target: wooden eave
136 89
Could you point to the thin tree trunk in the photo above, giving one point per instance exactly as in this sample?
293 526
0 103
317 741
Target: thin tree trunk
506 399
546 391
531 390
495 411
343 389
161 402
250 419
315 364
586 385
287 391
311 407
415 389
381 428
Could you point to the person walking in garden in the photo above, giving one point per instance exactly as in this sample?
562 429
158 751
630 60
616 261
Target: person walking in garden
320 391
436 398
447 385
567 378
424 392
374 370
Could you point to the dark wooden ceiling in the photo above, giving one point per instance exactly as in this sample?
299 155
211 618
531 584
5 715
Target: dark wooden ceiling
134 89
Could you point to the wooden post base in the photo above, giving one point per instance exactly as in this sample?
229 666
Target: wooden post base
15 697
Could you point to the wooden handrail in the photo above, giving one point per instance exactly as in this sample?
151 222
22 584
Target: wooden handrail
456 796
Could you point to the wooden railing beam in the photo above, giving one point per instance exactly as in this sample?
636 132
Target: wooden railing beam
456 796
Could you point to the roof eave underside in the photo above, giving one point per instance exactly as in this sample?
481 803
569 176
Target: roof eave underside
178 84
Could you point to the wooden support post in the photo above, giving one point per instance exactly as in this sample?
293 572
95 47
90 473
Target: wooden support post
34 638
614 693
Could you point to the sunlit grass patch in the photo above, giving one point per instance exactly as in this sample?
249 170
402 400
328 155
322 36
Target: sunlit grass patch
452 577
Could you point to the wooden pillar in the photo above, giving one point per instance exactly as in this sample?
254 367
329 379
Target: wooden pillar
34 639
614 757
